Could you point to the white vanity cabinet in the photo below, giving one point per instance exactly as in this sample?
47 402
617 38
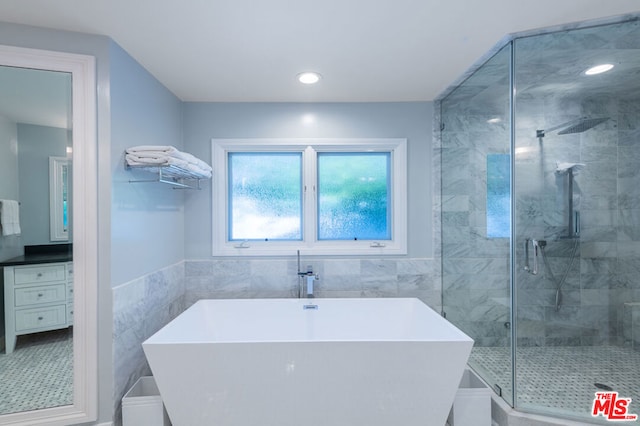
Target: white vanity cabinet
37 298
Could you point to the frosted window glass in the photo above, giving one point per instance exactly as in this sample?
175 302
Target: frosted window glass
354 196
498 196
265 196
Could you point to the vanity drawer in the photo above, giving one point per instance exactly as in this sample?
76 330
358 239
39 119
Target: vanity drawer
38 274
41 318
42 294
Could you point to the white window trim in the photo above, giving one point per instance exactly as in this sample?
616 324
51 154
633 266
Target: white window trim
310 245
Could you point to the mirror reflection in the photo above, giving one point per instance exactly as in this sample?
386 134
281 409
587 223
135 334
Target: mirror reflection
36 318
59 172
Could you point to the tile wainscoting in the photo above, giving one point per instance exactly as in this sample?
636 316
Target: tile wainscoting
256 278
144 305
140 308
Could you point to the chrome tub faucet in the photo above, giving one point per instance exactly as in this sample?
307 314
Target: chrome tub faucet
306 276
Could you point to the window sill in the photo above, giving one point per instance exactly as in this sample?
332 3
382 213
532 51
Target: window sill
259 248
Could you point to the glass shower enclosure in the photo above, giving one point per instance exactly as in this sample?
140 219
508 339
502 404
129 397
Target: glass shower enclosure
541 218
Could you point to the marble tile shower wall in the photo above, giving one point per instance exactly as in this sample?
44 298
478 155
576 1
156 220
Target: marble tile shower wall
140 308
273 278
475 268
604 275
630 325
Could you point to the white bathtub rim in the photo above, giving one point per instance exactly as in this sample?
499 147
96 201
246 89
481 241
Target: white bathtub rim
319 329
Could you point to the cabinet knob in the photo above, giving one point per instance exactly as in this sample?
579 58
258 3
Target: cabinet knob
39 274
40 294
40 318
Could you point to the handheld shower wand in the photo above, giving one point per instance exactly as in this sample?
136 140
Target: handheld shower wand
537 246
573 215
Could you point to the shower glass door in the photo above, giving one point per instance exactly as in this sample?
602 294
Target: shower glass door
577 233
476 135
560 324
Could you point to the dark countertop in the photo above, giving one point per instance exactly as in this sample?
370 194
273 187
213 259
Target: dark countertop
41 254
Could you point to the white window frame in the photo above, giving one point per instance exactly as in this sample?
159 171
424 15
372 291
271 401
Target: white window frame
310 245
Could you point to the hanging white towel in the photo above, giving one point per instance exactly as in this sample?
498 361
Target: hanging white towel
10 217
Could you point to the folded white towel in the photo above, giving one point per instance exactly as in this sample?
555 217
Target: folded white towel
155 158
155 161
10 217
191 159
200 172
162 151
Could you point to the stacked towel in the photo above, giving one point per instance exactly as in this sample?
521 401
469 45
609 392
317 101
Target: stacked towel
10 217
161 155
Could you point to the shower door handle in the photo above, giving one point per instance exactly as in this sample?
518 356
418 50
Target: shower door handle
534 243
526 255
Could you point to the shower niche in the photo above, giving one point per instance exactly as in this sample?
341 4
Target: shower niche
551 299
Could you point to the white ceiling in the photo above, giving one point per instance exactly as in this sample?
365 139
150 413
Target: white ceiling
251 50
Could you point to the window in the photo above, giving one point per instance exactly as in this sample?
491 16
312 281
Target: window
265 196
320 196
353 196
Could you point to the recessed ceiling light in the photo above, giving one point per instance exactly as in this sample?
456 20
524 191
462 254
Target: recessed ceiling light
309 77
598 69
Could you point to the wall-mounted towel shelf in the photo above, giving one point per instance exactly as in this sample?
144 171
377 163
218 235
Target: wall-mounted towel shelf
170 165
170 174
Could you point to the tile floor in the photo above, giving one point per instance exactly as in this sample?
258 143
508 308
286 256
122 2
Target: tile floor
39 373
561 380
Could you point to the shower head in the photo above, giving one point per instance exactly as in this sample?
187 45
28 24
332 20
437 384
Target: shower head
575 126
583 125
566 167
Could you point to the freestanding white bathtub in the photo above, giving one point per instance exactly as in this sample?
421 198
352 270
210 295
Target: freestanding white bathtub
308 362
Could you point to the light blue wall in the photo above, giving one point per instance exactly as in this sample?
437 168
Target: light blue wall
8 159
411 120
35 145
10 246
147 219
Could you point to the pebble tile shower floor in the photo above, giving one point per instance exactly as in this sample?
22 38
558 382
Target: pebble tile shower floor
38 374
561 379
